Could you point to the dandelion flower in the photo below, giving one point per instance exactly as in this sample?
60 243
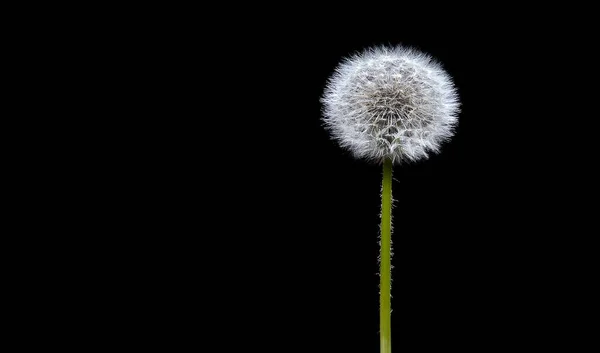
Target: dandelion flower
390 105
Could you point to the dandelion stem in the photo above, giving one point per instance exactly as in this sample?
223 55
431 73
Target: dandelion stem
385 269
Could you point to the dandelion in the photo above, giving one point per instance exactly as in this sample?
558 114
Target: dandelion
390 105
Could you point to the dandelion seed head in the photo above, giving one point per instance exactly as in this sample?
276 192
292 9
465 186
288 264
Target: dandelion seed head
390 102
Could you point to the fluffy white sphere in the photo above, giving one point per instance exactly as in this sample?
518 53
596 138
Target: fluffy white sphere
395 103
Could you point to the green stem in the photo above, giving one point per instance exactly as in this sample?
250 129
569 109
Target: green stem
385 269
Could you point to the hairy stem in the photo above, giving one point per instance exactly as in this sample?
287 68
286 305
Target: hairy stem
385 285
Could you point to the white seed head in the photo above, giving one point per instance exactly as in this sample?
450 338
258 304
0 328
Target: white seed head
390 102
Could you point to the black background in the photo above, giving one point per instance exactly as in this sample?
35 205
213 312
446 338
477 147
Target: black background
174 187
252 228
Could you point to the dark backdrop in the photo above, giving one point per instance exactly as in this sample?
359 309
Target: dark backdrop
262 233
